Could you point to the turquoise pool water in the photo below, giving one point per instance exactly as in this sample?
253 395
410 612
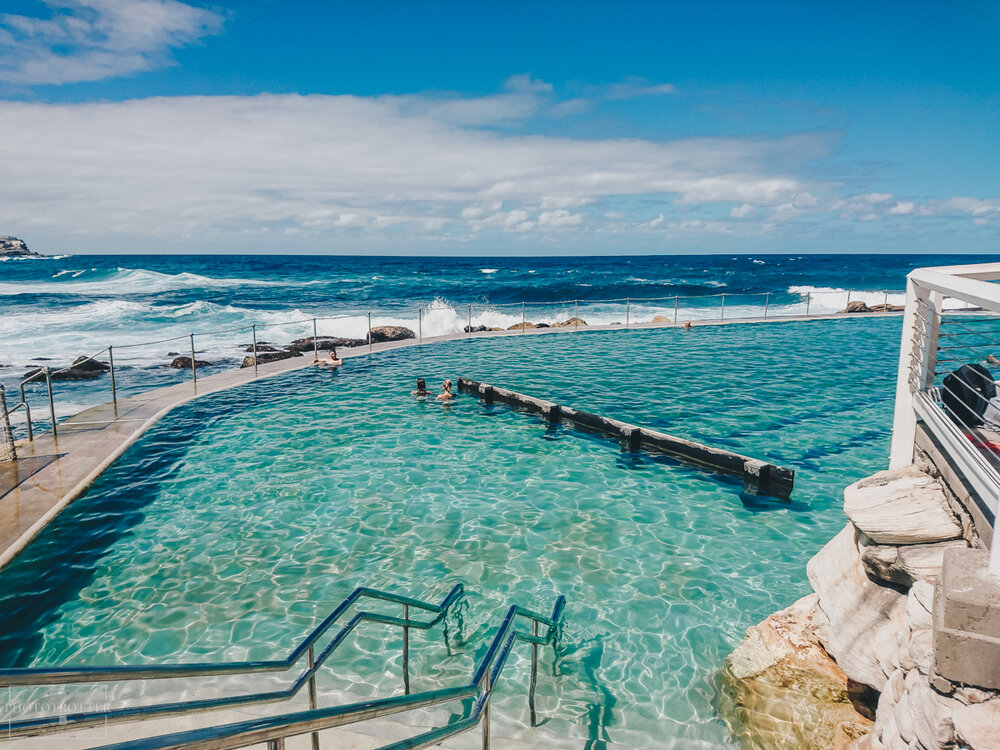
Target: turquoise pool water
234 525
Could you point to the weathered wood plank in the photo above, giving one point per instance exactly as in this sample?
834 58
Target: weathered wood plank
759 477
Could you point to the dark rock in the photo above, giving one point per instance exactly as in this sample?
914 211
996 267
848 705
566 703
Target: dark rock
323 343
519 326
390 333
265 357
184 363
475 329
857 306
81 369
885 308
261 348
12 247
581 322
541 325
173 354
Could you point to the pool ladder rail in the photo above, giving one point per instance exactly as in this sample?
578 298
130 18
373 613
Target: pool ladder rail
273 730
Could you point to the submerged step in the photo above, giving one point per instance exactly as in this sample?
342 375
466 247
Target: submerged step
759 477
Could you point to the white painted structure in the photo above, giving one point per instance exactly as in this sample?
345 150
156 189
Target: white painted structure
927 290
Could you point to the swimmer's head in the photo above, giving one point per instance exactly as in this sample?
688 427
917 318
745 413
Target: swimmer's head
447 385
421 385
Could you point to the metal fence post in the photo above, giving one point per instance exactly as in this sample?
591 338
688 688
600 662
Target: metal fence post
369 333
311 663
534 674
848 300
420 325
576 315
470 320
315 343
486 711
627 311
723 316
52 406
406 650
8 433
523 327
808 300
27 413
676 300
253 332
194 375
114 390
767 301
885 304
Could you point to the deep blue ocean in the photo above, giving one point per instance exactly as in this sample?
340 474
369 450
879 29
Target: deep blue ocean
57 308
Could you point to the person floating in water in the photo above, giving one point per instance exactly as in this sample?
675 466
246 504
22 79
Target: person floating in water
687 326
446 395
421 391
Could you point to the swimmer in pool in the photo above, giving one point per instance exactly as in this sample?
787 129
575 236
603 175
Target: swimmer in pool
421 391
446 395
332 360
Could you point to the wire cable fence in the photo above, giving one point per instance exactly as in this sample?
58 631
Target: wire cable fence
114 368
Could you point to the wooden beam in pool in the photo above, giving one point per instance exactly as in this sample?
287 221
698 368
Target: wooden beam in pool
759 477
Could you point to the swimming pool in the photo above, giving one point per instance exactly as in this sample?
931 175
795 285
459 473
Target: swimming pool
235 524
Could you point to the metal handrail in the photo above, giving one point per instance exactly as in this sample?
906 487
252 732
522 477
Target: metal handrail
275 729
47 374
68 675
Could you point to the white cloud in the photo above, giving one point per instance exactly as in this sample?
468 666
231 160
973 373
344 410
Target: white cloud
742 212
902 208
88 40
525 84
559 219
227 167
971 206
633 87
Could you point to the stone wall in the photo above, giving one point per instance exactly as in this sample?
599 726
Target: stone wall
870 619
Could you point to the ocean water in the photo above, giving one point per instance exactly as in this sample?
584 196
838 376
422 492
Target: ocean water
234 525
53 310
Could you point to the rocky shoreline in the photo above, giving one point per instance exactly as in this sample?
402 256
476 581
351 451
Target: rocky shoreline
13 247
852 665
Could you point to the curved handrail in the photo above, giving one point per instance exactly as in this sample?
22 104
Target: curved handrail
255 731
64 675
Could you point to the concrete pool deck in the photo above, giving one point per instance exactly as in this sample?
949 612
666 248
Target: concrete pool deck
90 441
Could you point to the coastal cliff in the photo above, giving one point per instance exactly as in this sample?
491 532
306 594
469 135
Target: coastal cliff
852 666
13 247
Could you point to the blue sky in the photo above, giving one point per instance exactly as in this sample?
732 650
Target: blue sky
494 128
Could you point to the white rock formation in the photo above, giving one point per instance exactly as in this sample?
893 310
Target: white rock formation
902 506
867 621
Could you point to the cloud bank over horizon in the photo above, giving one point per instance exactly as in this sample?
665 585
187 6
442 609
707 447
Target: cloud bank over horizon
236 170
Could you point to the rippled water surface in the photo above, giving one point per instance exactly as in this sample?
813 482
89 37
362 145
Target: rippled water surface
234 526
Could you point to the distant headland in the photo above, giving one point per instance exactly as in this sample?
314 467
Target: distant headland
17 248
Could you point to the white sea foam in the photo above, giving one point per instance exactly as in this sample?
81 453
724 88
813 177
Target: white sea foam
488 270
62 333
824 299
123 281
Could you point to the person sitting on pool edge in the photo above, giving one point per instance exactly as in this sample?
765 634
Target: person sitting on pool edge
421 391
446 395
